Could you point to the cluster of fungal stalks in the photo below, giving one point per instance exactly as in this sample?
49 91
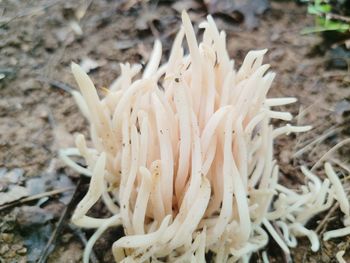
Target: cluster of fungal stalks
182 157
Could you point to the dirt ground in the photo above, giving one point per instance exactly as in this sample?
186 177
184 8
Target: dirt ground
38 41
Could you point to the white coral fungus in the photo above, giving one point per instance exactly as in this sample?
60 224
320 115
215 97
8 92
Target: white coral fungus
183 158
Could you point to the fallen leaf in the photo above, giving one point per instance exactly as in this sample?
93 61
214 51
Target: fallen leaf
63 181
13 193
28 216
50 181
249 9
36 185
13 176
55 208
72 254
36 240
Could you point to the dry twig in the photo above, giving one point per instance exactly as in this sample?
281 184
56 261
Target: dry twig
35 197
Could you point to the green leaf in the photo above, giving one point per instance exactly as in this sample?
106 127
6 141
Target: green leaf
312 29
319 8
325 8
311 9
340 27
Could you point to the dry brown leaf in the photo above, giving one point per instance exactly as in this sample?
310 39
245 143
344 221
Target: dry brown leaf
14 193
248 8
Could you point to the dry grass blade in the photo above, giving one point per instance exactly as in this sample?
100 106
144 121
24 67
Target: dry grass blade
35 197
329 153
318 140
60 224
324 221
342 165
81 235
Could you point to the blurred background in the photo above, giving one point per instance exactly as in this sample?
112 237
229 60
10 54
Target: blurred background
309 49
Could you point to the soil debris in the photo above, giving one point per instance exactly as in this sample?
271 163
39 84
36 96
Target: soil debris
38 42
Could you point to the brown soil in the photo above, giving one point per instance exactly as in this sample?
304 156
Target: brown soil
37 45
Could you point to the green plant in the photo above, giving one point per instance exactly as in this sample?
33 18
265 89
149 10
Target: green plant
325 20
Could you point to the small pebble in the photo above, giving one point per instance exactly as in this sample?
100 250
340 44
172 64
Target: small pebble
66 237
3 187
22 251
277 55
285 156
4 249
16 247
43 114
325 258
7 238
13 61
15 175
10 254
275 36
29 216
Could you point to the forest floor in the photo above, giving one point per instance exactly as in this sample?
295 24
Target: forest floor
38 41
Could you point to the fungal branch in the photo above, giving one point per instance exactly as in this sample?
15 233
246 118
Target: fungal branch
183 158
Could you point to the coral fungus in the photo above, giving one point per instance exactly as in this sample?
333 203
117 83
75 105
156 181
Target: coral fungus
182 157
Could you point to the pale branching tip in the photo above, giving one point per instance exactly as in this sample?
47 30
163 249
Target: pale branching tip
157 46
327 166
79 137
210 18
77 71
74 66
307 128
185 18
203 24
